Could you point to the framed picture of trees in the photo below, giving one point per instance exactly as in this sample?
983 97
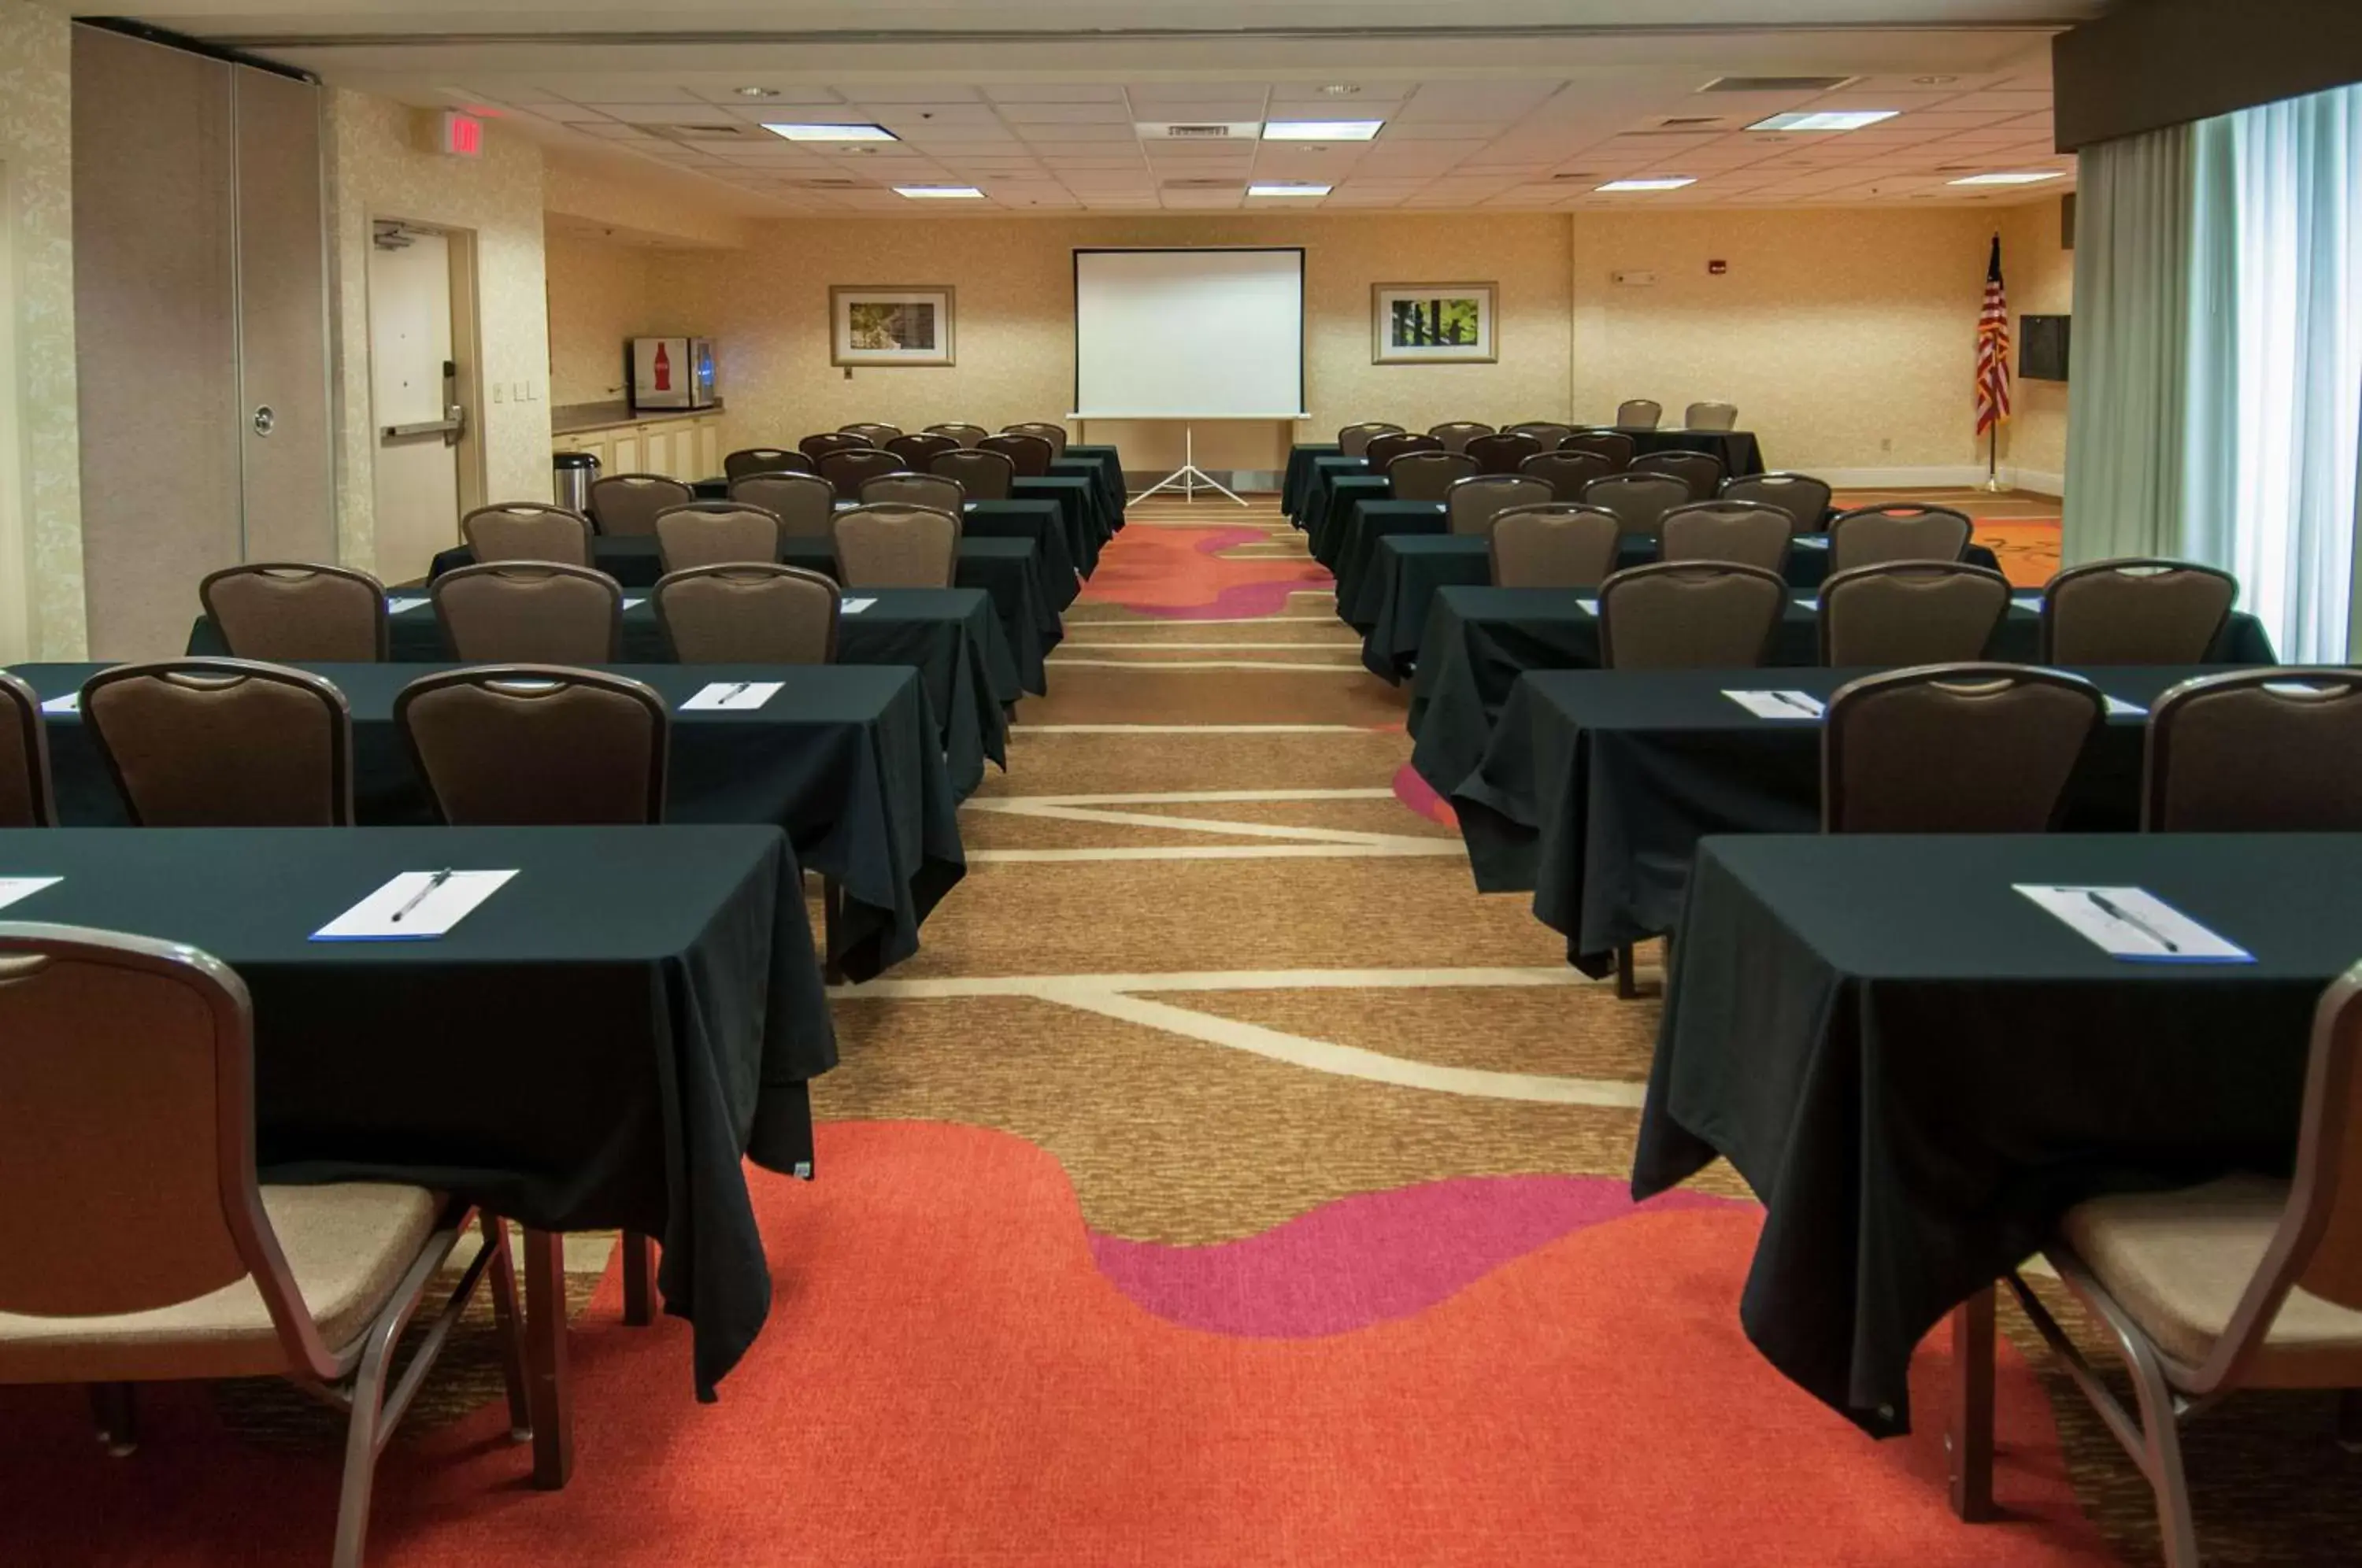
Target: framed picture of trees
889 326
1431 324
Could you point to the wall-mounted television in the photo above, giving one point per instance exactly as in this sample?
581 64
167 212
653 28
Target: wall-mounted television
2042 347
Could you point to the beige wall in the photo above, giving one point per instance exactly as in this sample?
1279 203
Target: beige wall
41 612
2041 274
598 295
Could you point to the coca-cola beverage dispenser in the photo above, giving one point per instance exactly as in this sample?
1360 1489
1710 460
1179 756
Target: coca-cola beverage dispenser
672 372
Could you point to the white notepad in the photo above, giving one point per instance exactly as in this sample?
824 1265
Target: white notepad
2131 923
68 703
2120 709
1810 542
1590 606
856 607
12 889
733 696
414 907
1807 602
1797 706
403 606
634 603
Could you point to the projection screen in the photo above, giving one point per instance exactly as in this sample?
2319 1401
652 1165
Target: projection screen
1189 334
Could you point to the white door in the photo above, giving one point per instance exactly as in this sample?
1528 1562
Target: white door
417 475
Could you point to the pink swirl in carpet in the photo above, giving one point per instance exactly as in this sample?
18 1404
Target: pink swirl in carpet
1367 1258
1419 795
1177 574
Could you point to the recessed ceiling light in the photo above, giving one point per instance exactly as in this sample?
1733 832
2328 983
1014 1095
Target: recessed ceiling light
756 91
939 192
1667 182
1321 131
1288 190
831 132
1824 120
2027 177
1339 90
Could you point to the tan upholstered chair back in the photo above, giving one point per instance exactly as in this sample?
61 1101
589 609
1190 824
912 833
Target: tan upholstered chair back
1548 432
937 491
1641 499
528 531
1911 612
803 502
876 435
1565 472
897 546
1502 452
27 798
981 475
712 533
2135 612
1953 748
536 612
920 449
1689 615
1053 434
1455 434
752 461
1470 506
1429 475
1803 498
1700 470
848 472
966 435
1555 545
1383 449
1711 416
224 742
1031 454
1610 446
1869 535
2259 751
748 614
284 610
1353 441
127 1149
533 745
1640 413
2320 1240
1726 531
821 443
628 505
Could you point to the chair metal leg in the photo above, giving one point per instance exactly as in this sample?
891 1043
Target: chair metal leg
1625 990
508 1323
2161 1436
639 1279
361 1444
1969 1438
115 1414
549 1384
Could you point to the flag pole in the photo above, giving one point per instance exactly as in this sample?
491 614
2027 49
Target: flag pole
1993 484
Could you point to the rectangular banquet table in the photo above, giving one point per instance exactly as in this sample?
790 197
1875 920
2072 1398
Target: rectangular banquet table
594 1047
1739 450
1326 472
1107 462
948 635
1348 493
1597 786
1919 1070
1295 483
846 758
1080 512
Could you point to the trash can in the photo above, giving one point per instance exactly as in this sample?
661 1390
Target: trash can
571 475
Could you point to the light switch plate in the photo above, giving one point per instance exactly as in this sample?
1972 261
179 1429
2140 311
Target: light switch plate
500 392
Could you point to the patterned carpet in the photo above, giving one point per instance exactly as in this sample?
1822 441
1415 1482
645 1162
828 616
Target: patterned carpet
1224 1181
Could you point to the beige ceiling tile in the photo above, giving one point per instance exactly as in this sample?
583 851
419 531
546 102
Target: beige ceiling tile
1107 113
1076 133
776 95
564 113
610 130
616 90
2003 100
1230 92
1476 100
665 113
1053 92
1378 93
1440 130
1954 119
914 93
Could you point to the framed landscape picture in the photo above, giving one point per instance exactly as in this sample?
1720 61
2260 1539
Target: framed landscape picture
1431 324
889 326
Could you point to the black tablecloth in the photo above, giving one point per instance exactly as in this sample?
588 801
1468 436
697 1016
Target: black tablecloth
1318 489
1077 497
1919 1070
846 758
1597 786
1325 536
594 1047
1737 449
1297 482
1107 462
949 635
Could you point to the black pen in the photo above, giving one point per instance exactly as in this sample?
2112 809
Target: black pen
2109 908
1800 704
420 897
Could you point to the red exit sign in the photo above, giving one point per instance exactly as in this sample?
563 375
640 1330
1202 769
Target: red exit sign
460 136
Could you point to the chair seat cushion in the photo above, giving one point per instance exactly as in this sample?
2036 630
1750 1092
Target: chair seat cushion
2177 1264
347 1245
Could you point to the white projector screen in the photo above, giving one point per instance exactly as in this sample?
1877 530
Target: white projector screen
1189 334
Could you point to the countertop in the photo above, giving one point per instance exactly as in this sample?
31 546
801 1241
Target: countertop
573 418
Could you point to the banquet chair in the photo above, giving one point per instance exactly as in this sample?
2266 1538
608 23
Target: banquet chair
1549 433
223 742
821 443
145 1248
1802 497
937 491
520 610
1455 434
741 613
2242 1282
27 799
803 502
1428 475
1711 416
897 546
2256 751
1641 499
1640 413
1385 449
966 435
849 470
920 449
1897 531
981 475
1502 452
290 612
2135 612
1910 612
1953 748
528 531
1353 441
1689 615
752 461
1700 470
1610 446
1053 434
1031 454
712 533
1471 503
1565 472
628 505
1725 531
875 434
1555 544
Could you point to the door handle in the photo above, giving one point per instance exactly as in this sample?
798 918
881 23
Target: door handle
266 420
424 427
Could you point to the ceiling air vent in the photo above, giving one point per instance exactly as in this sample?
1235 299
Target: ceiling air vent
1210 130
1776 83
1201 184
826 184
753 134
1685 123
1573 175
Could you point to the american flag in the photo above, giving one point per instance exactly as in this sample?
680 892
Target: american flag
1993 348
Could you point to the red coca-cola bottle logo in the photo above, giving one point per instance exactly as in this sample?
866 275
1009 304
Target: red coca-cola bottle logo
664 370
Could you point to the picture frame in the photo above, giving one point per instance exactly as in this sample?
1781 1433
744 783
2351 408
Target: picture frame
1433 324
882 325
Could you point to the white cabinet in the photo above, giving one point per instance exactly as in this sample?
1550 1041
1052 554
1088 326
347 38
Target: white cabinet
688 448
